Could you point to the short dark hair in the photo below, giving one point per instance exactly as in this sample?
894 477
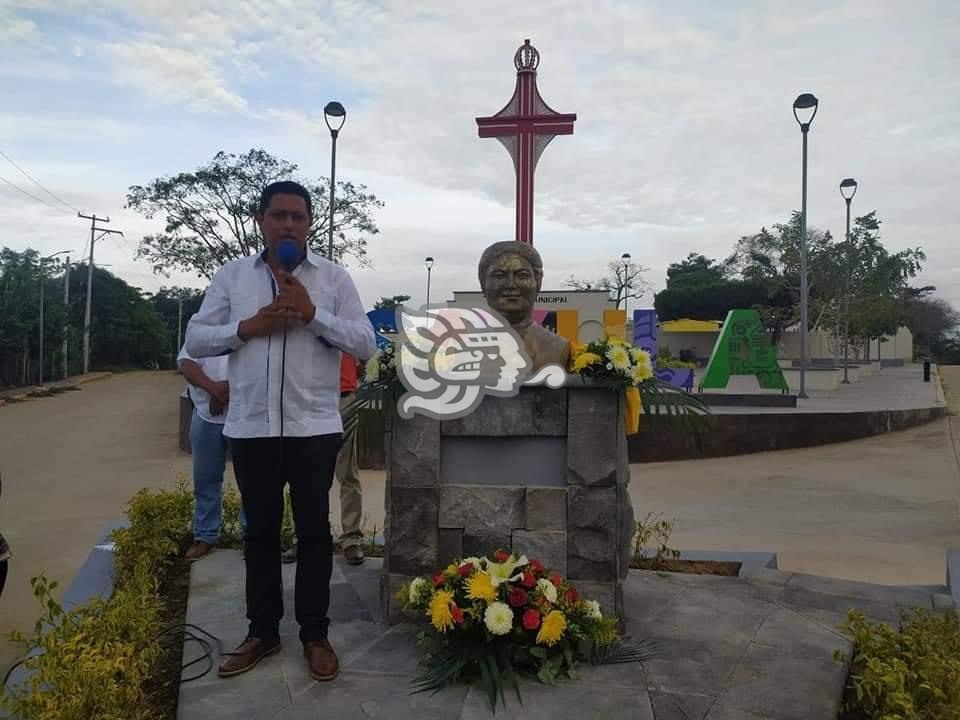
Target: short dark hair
284 187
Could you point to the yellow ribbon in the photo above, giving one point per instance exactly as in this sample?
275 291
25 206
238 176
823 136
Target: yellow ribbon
631 410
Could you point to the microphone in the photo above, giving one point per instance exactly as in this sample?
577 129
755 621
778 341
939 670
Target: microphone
288 254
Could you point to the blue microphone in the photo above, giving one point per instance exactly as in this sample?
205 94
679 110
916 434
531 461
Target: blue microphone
288 254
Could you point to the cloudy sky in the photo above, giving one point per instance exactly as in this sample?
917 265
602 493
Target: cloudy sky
685 137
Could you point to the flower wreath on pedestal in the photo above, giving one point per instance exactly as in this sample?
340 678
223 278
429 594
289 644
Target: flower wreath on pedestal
494 619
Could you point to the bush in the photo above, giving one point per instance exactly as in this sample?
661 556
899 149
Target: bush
95 661
676 364
908 673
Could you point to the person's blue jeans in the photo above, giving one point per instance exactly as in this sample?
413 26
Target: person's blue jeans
209 448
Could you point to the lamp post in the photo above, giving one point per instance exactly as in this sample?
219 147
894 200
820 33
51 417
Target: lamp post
335 111
42 279
428 263
625 260
807 104
848 188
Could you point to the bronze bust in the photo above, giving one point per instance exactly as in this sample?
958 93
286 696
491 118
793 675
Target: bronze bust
510 276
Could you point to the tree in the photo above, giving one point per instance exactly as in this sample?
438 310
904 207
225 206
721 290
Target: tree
694 272
209 213
166 302
931 320
711 302
622 282
389 303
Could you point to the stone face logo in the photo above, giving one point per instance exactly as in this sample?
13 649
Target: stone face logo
450 357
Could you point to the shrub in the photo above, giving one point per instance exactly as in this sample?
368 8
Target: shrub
95 660
911 672
676 364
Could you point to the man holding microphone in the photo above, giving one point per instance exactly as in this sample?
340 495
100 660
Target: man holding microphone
284 317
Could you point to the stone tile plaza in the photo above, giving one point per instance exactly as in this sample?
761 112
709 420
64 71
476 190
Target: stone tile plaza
572 499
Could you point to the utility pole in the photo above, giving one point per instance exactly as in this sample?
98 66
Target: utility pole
86 317
66 315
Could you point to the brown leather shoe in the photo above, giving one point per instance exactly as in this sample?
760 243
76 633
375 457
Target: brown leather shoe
198 550
353 555
321 659
245 657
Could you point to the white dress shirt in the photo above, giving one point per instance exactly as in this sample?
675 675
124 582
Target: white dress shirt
310 403
214 368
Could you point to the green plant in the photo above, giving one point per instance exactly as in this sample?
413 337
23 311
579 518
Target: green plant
96 660
911 672
669 363
652 529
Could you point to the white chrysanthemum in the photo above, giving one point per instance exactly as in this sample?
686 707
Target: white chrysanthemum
416 586
498 618
548 589
618 357
373 368
593 609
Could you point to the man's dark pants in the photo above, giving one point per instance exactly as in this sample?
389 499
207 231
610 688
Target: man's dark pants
263 466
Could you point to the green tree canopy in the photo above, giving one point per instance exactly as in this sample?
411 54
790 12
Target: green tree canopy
209 213
694 272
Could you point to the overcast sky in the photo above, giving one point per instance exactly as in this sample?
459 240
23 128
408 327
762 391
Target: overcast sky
684 141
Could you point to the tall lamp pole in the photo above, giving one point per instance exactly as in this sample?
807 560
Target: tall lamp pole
428 262
625 260
848 188
807 105
334 115
42 282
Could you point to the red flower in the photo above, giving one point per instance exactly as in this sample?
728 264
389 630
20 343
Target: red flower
501 556
537 567
438 579
572 596
531 619
517 597
465 569
556 579
457 614
529 580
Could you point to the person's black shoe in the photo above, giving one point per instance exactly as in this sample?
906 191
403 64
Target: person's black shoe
353 554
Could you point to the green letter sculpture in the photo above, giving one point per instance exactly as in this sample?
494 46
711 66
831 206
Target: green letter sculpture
743 349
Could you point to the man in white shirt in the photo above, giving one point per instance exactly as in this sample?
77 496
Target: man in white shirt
283 318
209 392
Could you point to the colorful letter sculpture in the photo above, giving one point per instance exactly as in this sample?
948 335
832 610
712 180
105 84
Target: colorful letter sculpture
743 349
645 336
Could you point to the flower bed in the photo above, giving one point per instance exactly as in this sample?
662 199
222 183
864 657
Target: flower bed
493 619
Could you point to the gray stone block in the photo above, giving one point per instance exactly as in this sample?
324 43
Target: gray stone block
591 554
564 701
942 601
414 459
413 530
546 509
628 528
485 510
594 426
680 706
592 508
604 593
548 546
484 545
451 546
532 411
393 610
518 461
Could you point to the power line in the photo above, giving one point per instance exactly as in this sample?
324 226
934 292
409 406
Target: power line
35 182
32 197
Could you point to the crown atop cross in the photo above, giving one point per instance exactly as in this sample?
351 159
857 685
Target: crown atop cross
527 58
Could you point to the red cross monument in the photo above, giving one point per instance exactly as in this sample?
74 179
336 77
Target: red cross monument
525 126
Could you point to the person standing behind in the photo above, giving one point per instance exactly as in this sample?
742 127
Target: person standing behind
283 317
209 392
348 475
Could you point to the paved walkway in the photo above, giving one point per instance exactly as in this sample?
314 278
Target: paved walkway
730 649
892 388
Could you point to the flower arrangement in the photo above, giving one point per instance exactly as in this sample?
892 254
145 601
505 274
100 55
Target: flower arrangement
494 618
612 360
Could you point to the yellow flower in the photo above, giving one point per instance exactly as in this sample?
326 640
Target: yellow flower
641 372
439 611
480 587
639 355
552 628
585 360
618 355
577 348
452 570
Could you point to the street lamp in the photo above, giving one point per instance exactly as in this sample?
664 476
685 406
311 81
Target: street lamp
807 105
848 188
428 262
42 279
625 259
335 111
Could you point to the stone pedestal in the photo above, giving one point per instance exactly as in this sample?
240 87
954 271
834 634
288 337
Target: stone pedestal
544 473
